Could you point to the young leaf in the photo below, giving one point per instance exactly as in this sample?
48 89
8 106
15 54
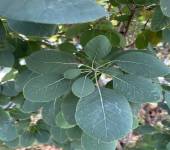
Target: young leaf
137 89
142 64
90 143
45 88
50 61
98 47
83 87
104 115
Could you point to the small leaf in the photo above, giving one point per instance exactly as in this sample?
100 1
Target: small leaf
45 88
104 115
137 89
90 143
50 61
83 87
98 47
142 64
72 73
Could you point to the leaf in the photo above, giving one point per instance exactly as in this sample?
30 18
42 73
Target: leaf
45 88
50 61
61 122
90 143
105 115
165 7
8 132
98 47
159 21
58 134
60 12
68 108
27 139
72 73
74 133
13 144
42 136
142 64
137 89
30 106
82 87
49 112
6 59
166 35
22 78
8 89
168 146
32 29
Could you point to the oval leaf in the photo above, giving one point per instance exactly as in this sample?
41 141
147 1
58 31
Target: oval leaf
98 47
83 87
142 64
137 89
59 12
104 115
90 143
50 61
45 88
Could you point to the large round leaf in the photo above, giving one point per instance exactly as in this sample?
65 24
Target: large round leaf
90 143
45 88
137 89
59 11
142 64
104 115
50 61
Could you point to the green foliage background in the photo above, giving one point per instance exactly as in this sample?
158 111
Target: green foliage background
57 52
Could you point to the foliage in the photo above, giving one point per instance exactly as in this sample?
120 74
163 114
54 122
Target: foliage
57 52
